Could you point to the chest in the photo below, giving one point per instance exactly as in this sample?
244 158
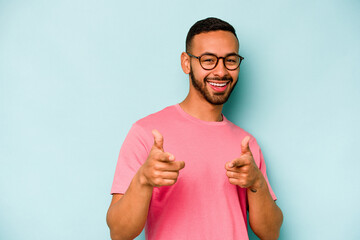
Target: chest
204 153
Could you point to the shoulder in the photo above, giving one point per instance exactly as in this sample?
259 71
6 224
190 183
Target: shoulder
238 131
240 134
156 118
140 133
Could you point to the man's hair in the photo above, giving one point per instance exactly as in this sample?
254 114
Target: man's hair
207 25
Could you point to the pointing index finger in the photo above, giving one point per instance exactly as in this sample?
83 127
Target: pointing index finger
236 163
166 157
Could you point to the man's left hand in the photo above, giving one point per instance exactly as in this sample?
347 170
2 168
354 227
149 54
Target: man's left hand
243 171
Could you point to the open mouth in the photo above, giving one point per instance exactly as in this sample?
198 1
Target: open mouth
218 86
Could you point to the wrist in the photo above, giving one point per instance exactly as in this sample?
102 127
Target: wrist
258 183
141 179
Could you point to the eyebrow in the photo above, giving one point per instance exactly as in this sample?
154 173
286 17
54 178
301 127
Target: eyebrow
217 55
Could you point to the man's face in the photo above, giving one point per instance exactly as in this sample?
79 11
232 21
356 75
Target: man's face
217 84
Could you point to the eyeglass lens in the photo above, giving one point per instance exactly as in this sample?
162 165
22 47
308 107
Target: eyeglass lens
209 61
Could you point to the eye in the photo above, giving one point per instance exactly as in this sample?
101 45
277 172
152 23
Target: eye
232 60
208 59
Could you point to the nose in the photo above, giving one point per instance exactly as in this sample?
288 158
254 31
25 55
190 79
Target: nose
220 69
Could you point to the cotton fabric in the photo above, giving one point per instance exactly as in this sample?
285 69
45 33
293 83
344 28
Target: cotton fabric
202 204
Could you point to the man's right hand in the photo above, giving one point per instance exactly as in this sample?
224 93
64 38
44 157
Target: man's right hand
160 168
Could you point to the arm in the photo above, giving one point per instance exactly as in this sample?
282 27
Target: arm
265 216
127 213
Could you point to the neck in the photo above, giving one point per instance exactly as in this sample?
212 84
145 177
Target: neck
199 108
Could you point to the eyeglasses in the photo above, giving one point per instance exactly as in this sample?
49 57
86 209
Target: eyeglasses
209 61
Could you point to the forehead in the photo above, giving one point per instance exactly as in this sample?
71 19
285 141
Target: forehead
217 42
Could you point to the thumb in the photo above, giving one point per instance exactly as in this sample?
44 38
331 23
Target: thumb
245 145
158 139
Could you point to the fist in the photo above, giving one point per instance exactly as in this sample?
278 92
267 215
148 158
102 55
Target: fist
243 171
160 168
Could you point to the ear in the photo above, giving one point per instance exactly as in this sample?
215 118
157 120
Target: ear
185 62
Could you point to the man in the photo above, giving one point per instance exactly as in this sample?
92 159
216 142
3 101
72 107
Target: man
187 172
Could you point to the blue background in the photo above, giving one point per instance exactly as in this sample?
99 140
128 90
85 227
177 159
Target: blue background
75 75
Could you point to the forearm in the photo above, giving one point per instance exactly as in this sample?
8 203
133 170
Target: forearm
265 216
126 218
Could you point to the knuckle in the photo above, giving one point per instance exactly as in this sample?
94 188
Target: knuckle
155 174
169 182
232 181
156 166
157 181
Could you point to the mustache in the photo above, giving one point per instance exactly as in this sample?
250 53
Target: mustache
219 79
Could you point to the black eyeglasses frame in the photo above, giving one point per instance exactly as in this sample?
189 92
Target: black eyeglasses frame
218 58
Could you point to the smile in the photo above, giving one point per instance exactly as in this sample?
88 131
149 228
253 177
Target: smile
218 86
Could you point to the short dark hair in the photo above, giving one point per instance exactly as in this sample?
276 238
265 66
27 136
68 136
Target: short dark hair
207 25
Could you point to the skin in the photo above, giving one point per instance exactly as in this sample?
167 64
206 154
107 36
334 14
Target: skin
220 43
128 212
265 216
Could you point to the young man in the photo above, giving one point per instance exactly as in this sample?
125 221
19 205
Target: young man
187 172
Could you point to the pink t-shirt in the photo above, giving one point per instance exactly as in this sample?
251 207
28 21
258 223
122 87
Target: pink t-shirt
202 204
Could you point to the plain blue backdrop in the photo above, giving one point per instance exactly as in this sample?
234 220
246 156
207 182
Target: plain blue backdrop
75 75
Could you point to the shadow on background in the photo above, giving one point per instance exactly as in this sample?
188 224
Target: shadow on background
236 110
234 107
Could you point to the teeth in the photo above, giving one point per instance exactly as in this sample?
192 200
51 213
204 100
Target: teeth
217 84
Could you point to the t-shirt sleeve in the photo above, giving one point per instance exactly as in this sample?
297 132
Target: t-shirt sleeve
259 159
133 153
